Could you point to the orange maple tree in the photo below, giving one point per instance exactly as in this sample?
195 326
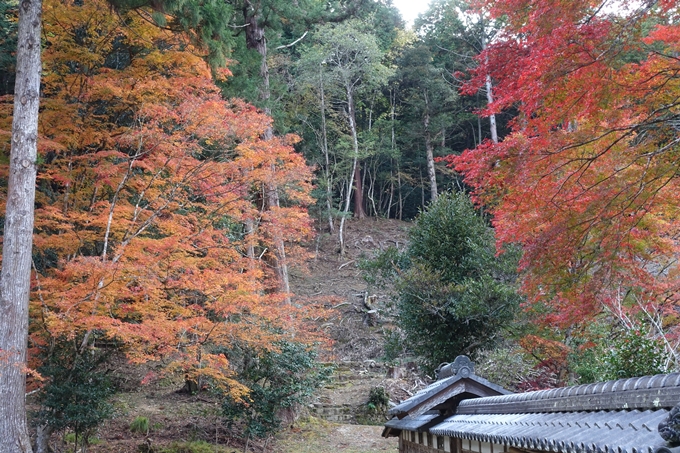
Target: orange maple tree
587 181
147 178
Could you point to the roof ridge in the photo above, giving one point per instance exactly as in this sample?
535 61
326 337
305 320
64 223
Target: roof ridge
647 392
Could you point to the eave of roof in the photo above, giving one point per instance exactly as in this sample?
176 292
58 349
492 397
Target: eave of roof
575 432
417 423
443 390
607 417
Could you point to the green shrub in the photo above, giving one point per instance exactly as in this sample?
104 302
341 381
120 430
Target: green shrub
394 346
277 380
70 438
506 366
140 425
616 352
634 354
586 360
378 397
374 412
76 396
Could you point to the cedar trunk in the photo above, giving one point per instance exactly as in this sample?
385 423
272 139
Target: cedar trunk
489 95
15 277
431 174
359 212
255 39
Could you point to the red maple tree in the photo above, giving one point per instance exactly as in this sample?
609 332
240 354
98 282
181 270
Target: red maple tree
587 181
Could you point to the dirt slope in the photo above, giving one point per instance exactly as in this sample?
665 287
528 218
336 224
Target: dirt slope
336 275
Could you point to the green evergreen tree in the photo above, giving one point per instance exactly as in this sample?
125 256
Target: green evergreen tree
344 64
455 294
429 110
455 34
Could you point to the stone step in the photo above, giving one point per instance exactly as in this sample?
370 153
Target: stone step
340 413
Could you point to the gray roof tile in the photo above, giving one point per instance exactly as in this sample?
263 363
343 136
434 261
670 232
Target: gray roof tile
575 432
620 416
414 422
649 392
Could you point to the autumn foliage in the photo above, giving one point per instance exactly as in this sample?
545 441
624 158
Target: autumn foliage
146 183
587 181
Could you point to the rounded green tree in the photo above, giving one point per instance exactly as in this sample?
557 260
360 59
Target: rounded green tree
455 292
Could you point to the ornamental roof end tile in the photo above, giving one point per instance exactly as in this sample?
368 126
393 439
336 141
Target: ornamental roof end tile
456 380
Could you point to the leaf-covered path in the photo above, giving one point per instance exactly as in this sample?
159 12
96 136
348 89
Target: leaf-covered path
318 436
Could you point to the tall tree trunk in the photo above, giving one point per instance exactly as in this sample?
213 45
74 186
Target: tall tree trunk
492 117
359 212
255 39
489 91
430 167
15 277
478 140
372 180
401 198
393 145
389 203
422 191
355 175
324 137
348 199
432 176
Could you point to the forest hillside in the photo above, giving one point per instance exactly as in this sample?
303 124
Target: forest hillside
261 203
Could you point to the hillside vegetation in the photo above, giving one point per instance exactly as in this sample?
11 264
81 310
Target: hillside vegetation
223 216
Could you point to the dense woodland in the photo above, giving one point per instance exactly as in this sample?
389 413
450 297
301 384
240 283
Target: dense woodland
188 151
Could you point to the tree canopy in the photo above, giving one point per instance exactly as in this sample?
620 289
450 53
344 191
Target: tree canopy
587 181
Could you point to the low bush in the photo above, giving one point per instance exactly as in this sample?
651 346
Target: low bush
278 379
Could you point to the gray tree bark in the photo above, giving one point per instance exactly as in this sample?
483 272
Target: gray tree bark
489 94
42 438
359 212
324 144
255 39
354 175
15 277
431 173
492 117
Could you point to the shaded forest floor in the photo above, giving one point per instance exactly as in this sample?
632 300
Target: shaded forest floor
193 423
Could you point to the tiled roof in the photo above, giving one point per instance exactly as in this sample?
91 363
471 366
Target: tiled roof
649 392
607 417
573 432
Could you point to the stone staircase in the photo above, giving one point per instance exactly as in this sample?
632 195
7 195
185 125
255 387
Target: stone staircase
346 395
337 413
